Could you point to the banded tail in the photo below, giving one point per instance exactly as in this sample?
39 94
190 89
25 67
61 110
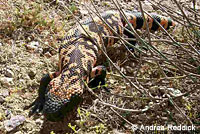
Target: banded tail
137 21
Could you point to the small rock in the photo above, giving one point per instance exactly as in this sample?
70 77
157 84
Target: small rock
13 122
1 44
112 81
158 117
26 77
2 100
39 121
22 81
162 90
129 69
150 103
9 73
47 54
4 92
147 6
142 117
175 92
6 81
19 132
7 113
153 90
83 11
17 68
179 117
115 131
156 107
34 43
32 73
34 46
164 118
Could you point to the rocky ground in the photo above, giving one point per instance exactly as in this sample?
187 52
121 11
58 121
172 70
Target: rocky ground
28 50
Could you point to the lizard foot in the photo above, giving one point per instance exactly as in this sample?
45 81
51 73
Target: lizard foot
37 106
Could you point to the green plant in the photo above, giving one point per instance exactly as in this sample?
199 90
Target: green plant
73 128
83 116
73 8
52 132
99 128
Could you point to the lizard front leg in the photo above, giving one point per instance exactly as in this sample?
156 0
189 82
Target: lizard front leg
40 100
97 77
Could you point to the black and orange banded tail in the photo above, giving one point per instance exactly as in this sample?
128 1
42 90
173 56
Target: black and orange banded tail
137 21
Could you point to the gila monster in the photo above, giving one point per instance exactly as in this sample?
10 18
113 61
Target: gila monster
60 91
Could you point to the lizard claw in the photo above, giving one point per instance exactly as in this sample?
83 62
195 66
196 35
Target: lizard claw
37 106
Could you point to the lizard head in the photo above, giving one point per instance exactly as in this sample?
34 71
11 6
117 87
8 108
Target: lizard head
61 97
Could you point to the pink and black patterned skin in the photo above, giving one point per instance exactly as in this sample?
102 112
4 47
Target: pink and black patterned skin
60 91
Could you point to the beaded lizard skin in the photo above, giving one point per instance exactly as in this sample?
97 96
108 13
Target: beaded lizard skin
60 91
